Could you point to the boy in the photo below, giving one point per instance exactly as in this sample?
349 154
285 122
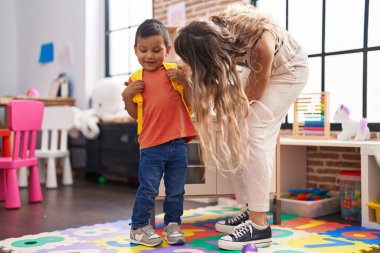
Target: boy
164 127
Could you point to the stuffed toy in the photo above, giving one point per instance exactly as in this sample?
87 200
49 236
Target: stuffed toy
351 128
107 105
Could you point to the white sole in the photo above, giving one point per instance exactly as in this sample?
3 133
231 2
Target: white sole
145 244
224 228
228 245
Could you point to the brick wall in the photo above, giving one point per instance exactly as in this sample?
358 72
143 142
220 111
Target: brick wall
325 163
195 9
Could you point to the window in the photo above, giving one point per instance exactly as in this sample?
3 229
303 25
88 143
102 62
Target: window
344 31
373 87
342 38
122 20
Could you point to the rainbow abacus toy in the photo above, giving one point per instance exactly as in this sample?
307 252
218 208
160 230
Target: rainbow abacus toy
311 116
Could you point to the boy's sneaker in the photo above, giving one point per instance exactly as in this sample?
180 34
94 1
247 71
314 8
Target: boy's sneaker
227 226
145 236
173 234
244 234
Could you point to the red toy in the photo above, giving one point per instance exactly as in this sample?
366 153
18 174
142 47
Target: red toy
307 194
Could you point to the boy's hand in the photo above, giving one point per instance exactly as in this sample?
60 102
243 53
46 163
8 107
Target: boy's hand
133 89
178 76
127 96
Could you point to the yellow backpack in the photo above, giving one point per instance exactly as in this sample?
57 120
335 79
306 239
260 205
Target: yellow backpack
139 100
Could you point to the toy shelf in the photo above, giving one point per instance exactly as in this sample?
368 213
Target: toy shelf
370 170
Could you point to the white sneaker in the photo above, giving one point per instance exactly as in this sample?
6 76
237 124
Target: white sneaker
145 236
173 234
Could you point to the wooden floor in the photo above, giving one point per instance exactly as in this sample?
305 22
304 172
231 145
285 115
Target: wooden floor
84 203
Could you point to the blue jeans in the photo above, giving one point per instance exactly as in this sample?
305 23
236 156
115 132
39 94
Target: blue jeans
168 160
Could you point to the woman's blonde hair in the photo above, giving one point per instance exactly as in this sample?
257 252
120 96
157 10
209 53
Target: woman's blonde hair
246 25
212 49
216 89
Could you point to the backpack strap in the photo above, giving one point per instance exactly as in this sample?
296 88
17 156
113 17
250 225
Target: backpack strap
139 100
177 86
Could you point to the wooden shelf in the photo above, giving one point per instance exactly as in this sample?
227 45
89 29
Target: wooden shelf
326 142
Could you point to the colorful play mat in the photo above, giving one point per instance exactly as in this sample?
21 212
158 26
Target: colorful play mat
295 235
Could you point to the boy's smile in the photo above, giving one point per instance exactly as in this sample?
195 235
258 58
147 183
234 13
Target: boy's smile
151 51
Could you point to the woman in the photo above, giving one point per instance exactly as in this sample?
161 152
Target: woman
249 111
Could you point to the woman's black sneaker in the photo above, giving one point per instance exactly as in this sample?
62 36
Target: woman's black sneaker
244 234
227 226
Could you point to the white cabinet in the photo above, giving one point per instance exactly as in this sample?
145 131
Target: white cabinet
203 182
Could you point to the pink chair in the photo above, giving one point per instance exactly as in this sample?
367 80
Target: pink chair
5 134
25 120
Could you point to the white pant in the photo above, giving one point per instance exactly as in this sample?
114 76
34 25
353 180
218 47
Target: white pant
251 183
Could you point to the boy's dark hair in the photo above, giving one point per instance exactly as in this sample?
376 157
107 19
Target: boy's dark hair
152 27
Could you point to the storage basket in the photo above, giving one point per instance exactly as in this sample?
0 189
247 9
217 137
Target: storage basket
375 206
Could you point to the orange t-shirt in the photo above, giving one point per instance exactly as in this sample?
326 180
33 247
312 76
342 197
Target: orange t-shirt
165 117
